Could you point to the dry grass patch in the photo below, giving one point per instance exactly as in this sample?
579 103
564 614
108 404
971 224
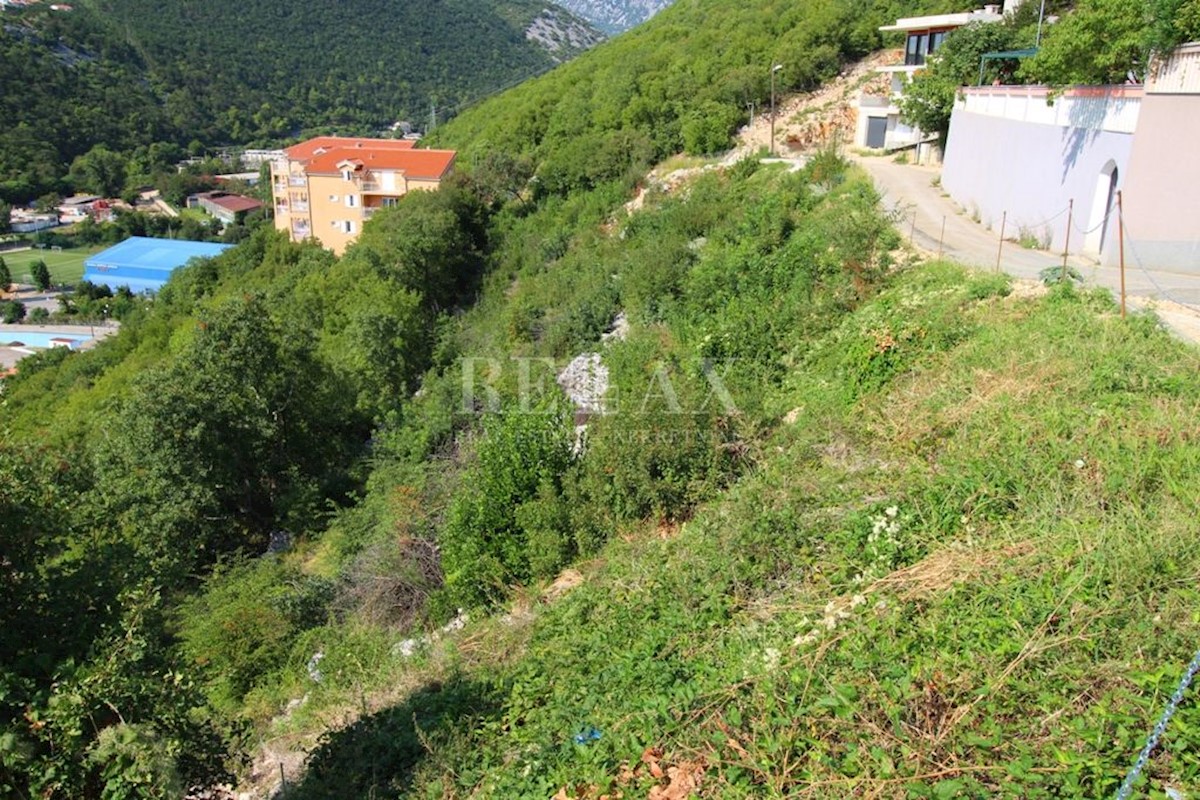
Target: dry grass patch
949 566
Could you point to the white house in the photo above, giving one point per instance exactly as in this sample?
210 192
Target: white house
879 125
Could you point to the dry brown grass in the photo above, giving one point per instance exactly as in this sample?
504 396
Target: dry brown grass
947 567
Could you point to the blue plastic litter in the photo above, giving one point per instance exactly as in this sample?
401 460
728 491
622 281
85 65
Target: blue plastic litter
587 735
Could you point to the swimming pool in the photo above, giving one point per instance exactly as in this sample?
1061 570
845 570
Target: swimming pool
37 338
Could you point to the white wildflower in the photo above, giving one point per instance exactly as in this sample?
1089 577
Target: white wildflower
806 639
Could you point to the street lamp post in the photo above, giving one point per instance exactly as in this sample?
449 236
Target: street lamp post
774 69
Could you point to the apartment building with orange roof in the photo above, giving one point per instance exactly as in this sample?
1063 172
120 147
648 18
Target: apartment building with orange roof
326 188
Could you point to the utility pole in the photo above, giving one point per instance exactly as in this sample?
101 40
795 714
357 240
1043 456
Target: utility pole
432 114
774 69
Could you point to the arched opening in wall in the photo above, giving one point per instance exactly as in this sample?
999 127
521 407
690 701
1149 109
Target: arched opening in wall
1103 202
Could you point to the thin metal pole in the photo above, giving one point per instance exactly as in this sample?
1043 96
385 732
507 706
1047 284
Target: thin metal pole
1067 243
1121 240
1041 17
942 240
912 232
1000 250
772 111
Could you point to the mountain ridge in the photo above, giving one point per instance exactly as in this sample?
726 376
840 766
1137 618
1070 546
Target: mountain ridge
615 16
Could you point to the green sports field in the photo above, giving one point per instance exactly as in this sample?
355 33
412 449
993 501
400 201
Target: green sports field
66 266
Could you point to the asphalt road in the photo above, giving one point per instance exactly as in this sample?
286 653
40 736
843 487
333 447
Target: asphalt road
910 192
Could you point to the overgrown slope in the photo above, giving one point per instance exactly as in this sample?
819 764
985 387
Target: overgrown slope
962 565
252 517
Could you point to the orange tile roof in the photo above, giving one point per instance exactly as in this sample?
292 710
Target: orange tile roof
306 150
413 163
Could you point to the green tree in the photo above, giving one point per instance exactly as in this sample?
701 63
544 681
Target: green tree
430 242
5 217
707 128
1100 41
48 203
242 432
41 275
12 312
5 276
1107 41
100 170
929 97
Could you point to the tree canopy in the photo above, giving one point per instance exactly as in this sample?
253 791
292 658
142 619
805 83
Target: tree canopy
1109 41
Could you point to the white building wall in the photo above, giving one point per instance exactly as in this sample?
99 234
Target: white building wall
1009 151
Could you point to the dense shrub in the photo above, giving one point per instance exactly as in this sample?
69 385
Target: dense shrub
492 529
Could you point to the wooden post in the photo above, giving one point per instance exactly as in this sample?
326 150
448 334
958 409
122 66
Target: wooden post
942 240
1067 243
1121 240
1000 250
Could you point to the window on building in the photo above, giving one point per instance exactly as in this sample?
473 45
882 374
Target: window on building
347 226
916 49
351 201
347 174
935 40
388 202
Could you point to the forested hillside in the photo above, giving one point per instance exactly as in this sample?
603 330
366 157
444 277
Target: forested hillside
849 525
683 82
123 73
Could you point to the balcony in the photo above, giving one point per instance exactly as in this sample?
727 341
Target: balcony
281 209
300 206
297 181
301 230
369 186
367 213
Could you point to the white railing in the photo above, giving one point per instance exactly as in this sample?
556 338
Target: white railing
1177 74
297 181
1101 108
299 206
369 186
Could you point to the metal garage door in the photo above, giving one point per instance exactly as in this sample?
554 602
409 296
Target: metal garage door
876 131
